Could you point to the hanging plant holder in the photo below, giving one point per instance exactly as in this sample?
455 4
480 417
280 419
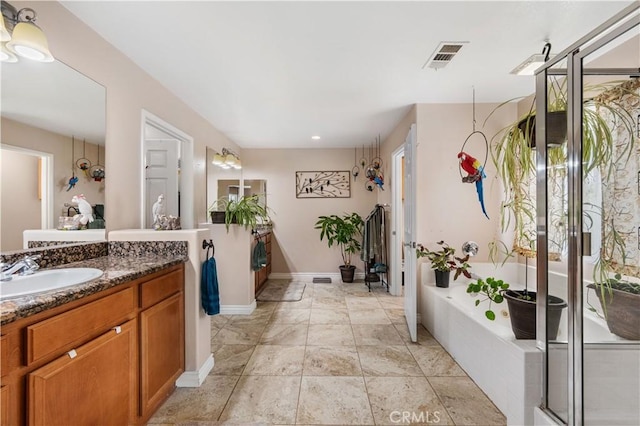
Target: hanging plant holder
84 163
97 172
73 179
355 171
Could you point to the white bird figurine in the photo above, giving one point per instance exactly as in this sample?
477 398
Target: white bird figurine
158 208
86 212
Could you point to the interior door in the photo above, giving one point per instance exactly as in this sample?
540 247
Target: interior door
410 293
161 168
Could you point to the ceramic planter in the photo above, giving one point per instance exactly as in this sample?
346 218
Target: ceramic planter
347 272
622 312
522 313
556 128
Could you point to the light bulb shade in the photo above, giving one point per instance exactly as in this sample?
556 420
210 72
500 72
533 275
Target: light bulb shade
218 159
238 165
4 33
230 160
29 41
6 55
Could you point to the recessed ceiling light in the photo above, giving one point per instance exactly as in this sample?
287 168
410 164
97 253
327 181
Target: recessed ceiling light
315 137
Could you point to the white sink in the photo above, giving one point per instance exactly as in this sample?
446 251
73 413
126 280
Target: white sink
46 280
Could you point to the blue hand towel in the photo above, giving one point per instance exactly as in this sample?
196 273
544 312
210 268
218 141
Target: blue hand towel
259 258
209 292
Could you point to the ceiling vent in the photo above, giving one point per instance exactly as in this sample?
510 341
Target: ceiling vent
443 54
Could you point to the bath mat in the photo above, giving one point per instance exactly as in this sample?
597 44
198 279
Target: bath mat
274 291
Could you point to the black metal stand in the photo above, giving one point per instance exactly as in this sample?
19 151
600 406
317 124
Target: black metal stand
371 276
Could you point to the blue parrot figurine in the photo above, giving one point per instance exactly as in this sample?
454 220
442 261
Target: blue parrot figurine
72 182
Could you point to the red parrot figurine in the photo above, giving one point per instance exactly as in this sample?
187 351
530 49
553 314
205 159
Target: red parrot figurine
476 173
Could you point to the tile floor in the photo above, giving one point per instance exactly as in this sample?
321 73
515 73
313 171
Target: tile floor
339 356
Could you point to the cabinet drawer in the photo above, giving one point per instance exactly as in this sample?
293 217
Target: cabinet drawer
160 288
95 387
51 336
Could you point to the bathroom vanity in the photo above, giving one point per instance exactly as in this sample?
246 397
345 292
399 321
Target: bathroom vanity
108 351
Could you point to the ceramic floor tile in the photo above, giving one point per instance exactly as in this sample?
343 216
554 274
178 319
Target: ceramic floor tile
329 316
230 360
388 361
333 400
362 303
284 334
465 402
392 302
304 303
405 400
291 316
331 361
435 361
263 400
369 316
204 403
424 337
330 335
376 334
396 316
329 303
275 360
255 317
244 333
218 321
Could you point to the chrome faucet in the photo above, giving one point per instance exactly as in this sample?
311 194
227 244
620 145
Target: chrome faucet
25 266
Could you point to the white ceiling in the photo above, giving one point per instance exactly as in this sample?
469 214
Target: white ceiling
272 74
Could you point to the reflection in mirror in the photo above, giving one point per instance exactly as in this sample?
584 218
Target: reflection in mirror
53 129
256 187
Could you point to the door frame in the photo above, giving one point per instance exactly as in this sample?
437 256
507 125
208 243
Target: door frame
46 182
187 216
397 215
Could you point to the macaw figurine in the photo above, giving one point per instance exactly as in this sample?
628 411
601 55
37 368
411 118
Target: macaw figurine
379 180
72 182
476 173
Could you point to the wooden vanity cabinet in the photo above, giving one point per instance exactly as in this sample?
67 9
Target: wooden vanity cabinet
109 358
262 275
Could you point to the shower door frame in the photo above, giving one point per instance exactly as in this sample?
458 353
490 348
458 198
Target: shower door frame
574 55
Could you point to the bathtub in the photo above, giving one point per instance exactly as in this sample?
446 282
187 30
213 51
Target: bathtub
510 371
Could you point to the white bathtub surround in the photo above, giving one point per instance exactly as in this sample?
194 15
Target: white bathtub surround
509 371
198 358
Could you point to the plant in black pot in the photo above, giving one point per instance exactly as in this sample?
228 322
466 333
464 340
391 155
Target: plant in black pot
344 231
620 302
522 307
444 261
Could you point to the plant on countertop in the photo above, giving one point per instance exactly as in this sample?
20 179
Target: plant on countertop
247 211
444 260
491 288
343 231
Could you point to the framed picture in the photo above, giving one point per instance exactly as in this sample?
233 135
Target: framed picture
326 184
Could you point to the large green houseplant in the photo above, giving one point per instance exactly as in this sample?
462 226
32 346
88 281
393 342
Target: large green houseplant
247 211
344 231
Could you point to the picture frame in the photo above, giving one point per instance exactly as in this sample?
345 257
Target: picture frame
323 184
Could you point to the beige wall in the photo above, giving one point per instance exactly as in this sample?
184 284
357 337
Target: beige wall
297 246
24 136
20 204
129 90
446 208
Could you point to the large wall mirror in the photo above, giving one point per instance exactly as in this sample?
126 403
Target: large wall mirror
53 129
229 184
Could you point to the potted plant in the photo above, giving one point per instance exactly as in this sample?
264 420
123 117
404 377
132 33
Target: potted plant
443 261
246 211
217 209
522 307
345 232
620 302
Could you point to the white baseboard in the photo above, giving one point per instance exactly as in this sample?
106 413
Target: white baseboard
193 379
308 276
238 309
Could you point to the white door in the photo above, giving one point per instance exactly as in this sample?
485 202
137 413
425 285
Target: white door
161 176
410 293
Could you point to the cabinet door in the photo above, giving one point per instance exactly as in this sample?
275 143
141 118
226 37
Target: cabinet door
93 384
5 400
161 351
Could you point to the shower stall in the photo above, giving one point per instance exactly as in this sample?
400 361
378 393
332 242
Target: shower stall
588 226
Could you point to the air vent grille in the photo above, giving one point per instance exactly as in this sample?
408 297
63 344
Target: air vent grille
443 54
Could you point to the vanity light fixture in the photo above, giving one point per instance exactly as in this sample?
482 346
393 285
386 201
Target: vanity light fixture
315 137
227 159
534 62
23 37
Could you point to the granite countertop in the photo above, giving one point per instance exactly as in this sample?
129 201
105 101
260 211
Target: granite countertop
117 270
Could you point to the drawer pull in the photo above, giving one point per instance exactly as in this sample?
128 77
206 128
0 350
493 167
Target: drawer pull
72 353
117 329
